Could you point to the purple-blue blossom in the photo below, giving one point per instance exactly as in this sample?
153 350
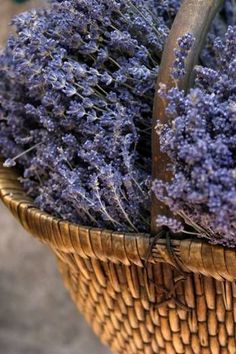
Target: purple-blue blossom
201 143
76 93
76 90
185 43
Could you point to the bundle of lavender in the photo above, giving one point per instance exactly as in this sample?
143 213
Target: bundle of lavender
201 143
77 83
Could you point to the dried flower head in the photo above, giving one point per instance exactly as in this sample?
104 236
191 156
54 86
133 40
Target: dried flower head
201 143
76 90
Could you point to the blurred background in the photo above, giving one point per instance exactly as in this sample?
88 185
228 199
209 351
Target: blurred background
37 315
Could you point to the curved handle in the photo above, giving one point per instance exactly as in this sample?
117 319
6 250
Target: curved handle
194 16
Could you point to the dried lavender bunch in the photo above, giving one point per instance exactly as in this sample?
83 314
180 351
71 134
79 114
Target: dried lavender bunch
76 91
226 17
201 143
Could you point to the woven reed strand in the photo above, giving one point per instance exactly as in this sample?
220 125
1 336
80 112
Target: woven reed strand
124 301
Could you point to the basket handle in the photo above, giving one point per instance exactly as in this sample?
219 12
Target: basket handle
194 16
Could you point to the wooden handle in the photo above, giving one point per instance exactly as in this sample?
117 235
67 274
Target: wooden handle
195 17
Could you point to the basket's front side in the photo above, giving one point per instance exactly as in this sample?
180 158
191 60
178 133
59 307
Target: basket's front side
121 304
132 306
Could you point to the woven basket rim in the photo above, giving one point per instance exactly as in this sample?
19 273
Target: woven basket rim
192 255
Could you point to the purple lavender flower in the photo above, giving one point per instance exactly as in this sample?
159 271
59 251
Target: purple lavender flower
79 79
185 44
173 224
76 91
201 144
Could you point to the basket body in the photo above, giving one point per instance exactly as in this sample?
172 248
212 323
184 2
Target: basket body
120 305
132 306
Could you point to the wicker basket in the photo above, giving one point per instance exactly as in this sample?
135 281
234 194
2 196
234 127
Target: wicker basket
136 306
141 294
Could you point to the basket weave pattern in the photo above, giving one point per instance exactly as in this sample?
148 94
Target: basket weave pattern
132 306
